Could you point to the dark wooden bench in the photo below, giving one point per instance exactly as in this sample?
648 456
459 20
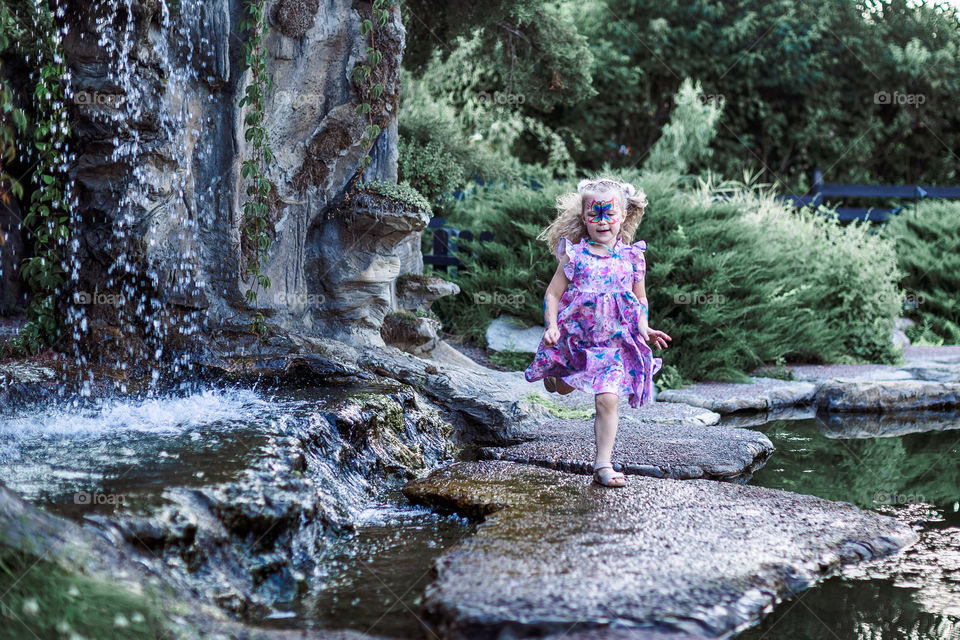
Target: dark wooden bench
822 191
444 244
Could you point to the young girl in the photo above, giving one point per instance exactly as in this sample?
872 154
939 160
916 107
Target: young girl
597 328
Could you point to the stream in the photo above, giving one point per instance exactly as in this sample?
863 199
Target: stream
99 461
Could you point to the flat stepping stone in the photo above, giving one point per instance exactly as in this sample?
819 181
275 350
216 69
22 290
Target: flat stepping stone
728 397
581 403
557 553
644 448
856 395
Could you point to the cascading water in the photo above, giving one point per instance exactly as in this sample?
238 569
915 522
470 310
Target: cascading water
148 109
241 495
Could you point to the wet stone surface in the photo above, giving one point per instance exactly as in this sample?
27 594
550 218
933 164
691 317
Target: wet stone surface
727 397
557 553
929 378
649 449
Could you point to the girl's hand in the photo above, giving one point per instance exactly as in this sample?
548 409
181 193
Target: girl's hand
551 336
659 338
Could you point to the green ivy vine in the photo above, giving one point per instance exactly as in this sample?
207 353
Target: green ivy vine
12 118
253 229
361 74
47 217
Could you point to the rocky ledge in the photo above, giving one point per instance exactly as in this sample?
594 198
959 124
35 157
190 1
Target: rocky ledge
644 448
929 379
663 558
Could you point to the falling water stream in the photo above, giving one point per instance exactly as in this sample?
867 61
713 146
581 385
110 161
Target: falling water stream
98 461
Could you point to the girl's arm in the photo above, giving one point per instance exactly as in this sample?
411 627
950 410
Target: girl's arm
555 290
640 290
658 337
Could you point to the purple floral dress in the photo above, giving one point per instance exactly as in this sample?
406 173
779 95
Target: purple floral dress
600 348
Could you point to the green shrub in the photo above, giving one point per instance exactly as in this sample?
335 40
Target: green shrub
512 360
927 239
431 167
736 278
685 139
508 275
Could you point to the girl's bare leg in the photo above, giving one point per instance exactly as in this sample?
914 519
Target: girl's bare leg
605 425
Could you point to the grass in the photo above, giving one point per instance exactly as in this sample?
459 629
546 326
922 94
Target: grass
43 600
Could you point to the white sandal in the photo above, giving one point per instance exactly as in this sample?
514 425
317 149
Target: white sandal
611 478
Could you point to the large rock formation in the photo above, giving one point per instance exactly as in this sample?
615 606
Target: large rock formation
160 140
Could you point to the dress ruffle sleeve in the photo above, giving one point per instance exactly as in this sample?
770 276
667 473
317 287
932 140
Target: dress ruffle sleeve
634 253
565 247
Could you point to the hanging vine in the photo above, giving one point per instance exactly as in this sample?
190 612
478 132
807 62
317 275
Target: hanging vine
361 74
46 221
253 229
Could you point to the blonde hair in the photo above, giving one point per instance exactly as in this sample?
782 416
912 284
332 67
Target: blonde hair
570 206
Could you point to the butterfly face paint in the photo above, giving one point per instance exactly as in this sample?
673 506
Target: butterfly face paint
601 211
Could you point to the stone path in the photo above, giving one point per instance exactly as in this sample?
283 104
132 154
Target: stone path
673 554
669 558
646 448
930 378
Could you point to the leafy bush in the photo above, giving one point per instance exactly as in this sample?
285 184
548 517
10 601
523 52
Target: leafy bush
685 140
508 275
736 278
927 238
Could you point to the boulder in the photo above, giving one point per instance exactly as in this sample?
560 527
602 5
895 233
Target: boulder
410 332
418 291
508 334
884 395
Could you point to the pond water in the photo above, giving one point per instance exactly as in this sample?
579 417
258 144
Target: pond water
375 574
914 477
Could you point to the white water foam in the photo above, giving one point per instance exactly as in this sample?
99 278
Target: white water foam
150 415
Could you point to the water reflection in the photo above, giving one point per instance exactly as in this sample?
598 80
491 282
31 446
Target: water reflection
904 466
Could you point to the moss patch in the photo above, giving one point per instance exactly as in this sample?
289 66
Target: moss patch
402 193
44 600
564 413
293 18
